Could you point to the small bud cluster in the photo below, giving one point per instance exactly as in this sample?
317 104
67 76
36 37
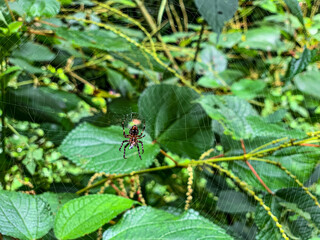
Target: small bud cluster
190 190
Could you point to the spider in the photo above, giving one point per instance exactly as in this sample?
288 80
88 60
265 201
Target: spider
133 141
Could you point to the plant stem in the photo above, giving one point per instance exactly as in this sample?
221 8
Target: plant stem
249 156
11 13
3 123
193 75
253 170
166 155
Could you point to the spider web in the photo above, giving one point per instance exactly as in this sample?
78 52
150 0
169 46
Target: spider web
129 114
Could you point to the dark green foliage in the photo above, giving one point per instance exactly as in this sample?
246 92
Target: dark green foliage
161 224
216 12
86 214
175 121
228 91
24 216
101 150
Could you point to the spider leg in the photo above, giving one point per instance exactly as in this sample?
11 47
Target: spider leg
124 150
139 151
141 137
122 144
124 131
141 146
144 127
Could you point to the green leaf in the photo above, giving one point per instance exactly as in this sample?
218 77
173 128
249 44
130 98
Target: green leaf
9 74
25 65
174 121
266 225
5 17
97 149
208 82
14 26
213 61
36 8
300 161
119 82
217 12
260 128
267 5
2 18
309 83
57 200
24 216
231 112
299 65
234 202
40 104
295 9
247 88
136 57
87 214
263 38
8 43
31 51
151 223
98 39
303 205
227 40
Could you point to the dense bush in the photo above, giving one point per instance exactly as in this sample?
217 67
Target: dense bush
228 93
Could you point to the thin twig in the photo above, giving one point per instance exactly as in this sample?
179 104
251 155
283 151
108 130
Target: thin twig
154 28
119 192
11 13
161 10
193 75
184 14
253 170
173 28
81 79
176 16
166 155
3 115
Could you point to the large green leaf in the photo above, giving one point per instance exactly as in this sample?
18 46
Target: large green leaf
97 149
36 8
150 223
99 39
231 112
217 12
33 52
309 83
295 9
88 213
298 160
174 121
41 104
24 216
